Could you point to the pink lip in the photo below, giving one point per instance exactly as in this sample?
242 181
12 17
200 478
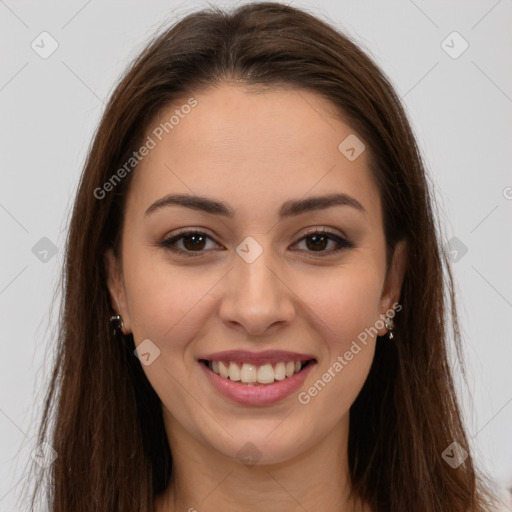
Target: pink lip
257 358
263 394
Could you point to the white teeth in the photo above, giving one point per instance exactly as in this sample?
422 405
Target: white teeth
223 370
250 373
266 374
234 372
280 371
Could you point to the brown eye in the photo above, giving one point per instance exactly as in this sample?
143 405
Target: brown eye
317 241
193 241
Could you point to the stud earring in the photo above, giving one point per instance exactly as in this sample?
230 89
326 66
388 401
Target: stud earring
117 324
390 325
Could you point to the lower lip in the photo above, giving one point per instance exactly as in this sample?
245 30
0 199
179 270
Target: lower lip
264 394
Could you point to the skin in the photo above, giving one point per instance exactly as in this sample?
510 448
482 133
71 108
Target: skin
254 151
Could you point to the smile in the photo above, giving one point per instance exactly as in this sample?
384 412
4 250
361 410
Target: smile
240 381
251 374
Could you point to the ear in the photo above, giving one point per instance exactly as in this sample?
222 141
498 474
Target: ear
115 282
393 283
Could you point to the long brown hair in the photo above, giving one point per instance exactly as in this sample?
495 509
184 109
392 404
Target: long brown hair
102 416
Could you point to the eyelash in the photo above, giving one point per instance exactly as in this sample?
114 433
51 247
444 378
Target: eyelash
169 243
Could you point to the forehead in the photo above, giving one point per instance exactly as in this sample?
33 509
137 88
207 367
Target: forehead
255 149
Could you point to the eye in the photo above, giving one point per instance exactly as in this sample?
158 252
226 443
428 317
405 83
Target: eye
194 241
320 238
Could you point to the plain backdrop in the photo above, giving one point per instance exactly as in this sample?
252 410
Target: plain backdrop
457 89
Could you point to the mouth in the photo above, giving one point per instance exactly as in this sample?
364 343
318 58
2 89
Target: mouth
251 374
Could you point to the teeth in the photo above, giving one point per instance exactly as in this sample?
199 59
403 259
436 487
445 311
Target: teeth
250 373
234 372
280 371
223 370
266 374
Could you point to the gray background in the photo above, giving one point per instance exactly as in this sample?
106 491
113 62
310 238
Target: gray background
460 108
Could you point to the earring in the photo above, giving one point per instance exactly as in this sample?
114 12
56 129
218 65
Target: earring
117 324
390 325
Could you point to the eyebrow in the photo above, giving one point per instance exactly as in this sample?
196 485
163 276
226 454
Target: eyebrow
289 208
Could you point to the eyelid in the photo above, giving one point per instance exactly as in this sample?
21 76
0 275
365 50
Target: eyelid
327 230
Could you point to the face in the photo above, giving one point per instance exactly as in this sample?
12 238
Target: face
258 279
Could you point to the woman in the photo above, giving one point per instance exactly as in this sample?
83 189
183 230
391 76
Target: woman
254 307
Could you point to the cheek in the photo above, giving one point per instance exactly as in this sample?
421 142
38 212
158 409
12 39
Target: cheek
166 303
345 304
346 309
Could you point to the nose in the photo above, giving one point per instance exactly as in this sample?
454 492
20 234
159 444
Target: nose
256 296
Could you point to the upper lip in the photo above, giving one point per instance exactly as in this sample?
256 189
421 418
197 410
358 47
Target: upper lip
257 358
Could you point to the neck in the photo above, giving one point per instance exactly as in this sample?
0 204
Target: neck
204 480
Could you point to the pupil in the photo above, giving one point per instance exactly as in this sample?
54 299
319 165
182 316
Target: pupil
316 239
194 245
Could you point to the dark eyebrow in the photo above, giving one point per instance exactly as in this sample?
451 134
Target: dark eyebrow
288 209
